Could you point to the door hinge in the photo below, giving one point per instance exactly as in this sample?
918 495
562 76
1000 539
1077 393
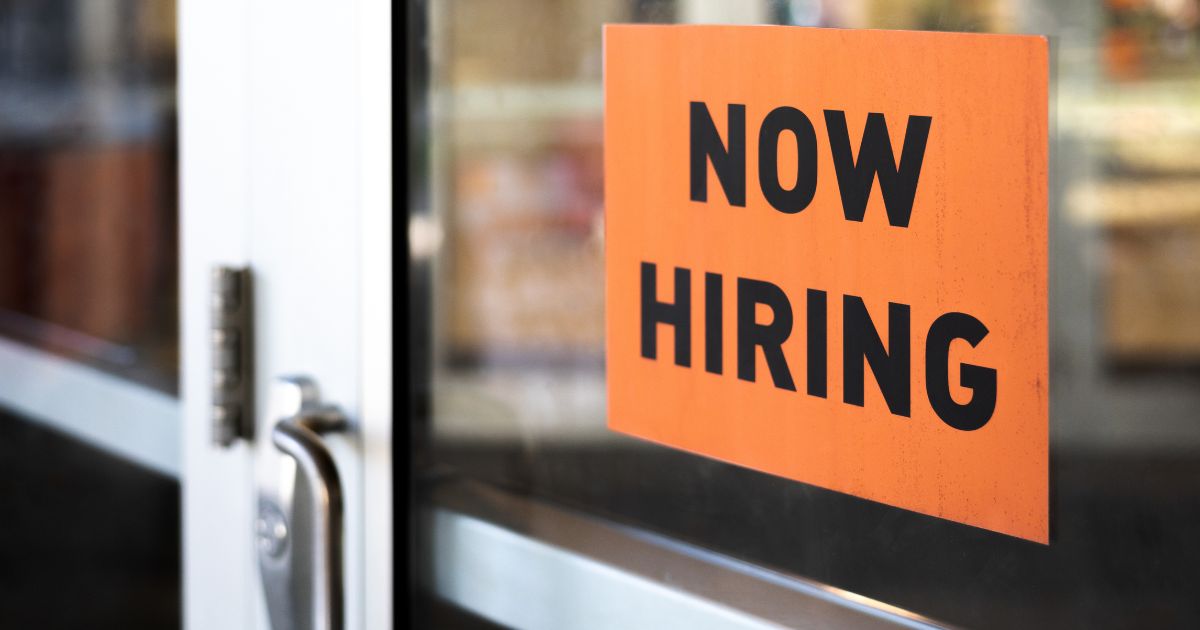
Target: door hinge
232 355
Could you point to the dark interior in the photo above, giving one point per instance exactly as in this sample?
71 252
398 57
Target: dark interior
89 540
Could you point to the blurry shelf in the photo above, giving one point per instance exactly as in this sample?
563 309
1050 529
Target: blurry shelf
558 405
516 116
1136 203
499 103
1163 155
1133 111
43 113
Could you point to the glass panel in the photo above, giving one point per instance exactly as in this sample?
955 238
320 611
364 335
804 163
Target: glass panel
88 212
88 316
517 316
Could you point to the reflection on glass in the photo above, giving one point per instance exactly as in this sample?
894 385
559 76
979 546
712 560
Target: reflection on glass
516 143
88 211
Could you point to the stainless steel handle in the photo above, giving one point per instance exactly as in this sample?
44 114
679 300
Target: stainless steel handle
299 526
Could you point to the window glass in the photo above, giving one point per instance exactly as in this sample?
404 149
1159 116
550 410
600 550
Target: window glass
88 211
518 390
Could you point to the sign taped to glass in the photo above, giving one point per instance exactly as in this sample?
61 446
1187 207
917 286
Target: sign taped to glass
826 259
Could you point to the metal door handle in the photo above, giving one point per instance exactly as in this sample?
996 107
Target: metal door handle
299 525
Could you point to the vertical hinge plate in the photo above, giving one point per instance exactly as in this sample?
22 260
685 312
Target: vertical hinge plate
232 355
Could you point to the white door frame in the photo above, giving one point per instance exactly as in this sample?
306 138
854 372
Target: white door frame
285 166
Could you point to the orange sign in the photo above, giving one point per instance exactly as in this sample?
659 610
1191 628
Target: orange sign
826 259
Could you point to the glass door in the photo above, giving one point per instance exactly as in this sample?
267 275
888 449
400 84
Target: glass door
89 315
144 145
507 229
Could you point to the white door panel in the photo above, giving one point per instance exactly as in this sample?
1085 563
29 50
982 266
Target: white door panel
291 100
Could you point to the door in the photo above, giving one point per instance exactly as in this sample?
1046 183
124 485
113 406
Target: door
538 516
285 170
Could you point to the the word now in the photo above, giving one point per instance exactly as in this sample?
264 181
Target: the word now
891 364
897 183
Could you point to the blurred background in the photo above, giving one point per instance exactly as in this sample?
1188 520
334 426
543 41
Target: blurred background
88 215
507 233
88 295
